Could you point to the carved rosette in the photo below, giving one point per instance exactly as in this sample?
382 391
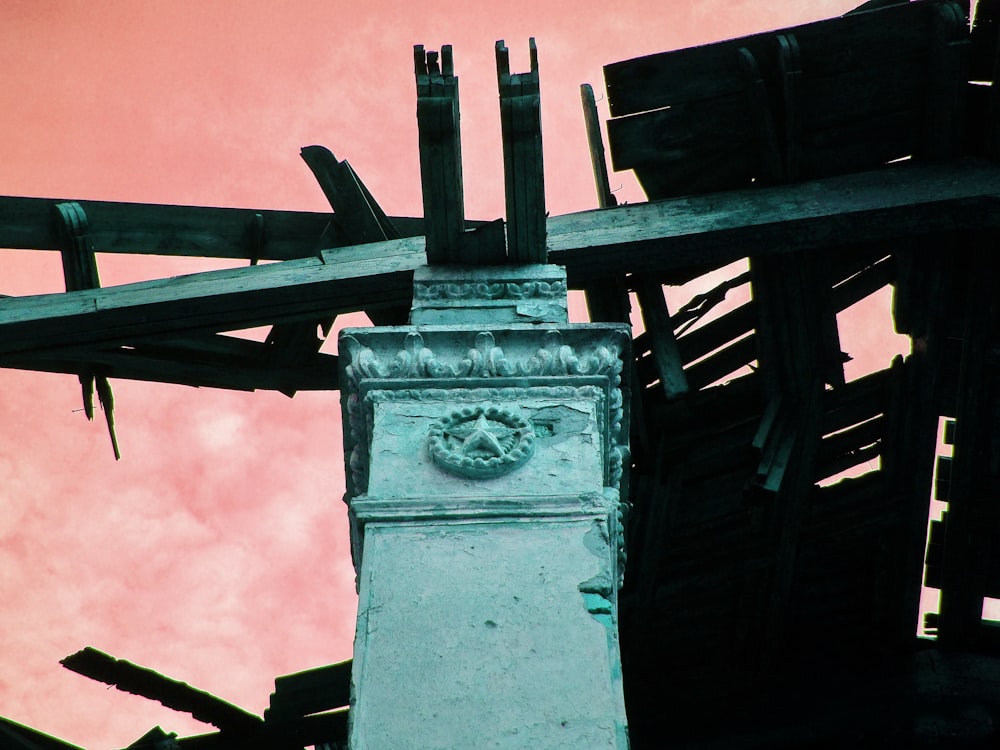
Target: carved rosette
481 443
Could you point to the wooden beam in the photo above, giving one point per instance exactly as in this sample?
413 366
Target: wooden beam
157 229
440 153
893 203
524 180
311 691
896 202
598 161
14 736
179 696
201 362
306 289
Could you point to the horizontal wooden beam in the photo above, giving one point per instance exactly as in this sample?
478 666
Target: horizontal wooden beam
889 204
249 368
155 229
343 280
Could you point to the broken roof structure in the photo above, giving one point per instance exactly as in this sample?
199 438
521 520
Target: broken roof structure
778 532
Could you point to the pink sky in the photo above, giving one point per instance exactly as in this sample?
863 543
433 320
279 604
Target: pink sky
216 550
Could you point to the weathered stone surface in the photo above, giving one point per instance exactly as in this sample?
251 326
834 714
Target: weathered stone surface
568 456
477 635
489 294
485 457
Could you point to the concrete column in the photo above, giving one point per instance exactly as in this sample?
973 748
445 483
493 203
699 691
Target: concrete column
485 444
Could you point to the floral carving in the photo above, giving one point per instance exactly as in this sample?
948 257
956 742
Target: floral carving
490 291
485 359
481 442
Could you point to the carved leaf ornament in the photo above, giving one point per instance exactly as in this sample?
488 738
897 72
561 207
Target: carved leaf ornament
481 442
486 359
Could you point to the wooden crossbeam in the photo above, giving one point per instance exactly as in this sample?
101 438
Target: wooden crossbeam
202 362
905 200
202 231
894 203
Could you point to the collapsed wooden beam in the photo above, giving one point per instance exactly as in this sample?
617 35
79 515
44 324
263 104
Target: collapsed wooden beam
142 681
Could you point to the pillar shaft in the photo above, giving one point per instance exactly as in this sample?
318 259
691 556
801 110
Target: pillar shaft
485 461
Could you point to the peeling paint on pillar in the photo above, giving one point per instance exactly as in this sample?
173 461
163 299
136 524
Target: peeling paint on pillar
484 492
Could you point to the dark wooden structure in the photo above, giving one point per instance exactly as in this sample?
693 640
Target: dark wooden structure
769 602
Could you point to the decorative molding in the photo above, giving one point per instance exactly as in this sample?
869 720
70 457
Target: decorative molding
594 352
481 442
481 290
484 359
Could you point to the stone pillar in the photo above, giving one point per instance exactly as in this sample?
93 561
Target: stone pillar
485 444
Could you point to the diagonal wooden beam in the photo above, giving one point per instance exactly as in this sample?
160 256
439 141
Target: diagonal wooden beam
14 736
179 696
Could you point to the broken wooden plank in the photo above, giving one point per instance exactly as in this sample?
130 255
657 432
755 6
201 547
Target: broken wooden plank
664 351
80 272
310 691
147 683
14 736
592 124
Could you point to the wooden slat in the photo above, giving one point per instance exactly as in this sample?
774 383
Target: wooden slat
974 504
944 99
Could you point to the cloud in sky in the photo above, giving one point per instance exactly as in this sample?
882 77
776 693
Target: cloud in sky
216 551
